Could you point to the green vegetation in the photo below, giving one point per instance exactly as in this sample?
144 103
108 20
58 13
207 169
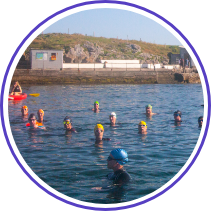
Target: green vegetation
112 47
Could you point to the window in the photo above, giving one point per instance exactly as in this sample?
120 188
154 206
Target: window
41 56
53 56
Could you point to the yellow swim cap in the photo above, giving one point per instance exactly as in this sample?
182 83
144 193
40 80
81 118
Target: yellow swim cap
142 123
24 107
98 126
41 111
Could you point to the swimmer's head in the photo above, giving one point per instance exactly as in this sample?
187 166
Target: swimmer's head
40 111
24 110
67 120
141 123
113 114
120 155
96 103
98 126
32 117
178 113
24 107
201 117
200 121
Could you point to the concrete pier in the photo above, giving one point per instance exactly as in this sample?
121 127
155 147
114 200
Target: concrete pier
103 76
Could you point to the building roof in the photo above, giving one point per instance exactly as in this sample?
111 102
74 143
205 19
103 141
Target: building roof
45 50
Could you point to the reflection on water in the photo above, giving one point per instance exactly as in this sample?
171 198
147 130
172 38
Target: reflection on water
73 163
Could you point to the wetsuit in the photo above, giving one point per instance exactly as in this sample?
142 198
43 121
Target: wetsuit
119 177
71 130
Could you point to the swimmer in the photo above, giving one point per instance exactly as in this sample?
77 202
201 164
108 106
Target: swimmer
33 122
200 121
142 127
177 116
149 110
16 90
96 106
99 131
40 114
112 118
24 110
115 161
68 124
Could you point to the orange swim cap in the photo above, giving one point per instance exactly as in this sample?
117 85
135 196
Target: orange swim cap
24 107
41 111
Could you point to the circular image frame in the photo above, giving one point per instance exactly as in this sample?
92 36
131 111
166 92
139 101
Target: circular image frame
207 90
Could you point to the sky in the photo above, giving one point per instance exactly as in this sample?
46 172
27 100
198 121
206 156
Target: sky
113 23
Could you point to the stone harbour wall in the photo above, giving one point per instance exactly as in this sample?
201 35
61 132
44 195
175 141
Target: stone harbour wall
113 76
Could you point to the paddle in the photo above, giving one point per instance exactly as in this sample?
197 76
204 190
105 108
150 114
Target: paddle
35 95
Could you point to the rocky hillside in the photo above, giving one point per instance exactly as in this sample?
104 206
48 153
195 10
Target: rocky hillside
88 49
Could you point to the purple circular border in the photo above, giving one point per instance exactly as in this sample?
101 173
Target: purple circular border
102 2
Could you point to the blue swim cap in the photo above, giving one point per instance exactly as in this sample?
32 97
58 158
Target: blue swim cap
120 155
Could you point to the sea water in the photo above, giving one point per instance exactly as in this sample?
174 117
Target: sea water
72 163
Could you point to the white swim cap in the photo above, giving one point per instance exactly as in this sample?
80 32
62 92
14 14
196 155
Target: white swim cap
113 114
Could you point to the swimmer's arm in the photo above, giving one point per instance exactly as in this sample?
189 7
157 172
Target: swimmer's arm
13 89
20 88
74 130
102 188
12 92
42 127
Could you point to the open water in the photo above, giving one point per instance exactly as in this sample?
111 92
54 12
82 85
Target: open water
73 165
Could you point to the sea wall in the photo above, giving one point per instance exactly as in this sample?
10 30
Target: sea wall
103 76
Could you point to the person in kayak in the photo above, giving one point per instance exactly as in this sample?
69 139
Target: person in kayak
115 161
24 110
33 121
40 114
200 121
142 127
16 90
68 124
96 106
99 131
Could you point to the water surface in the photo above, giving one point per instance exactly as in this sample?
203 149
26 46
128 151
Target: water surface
73 164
